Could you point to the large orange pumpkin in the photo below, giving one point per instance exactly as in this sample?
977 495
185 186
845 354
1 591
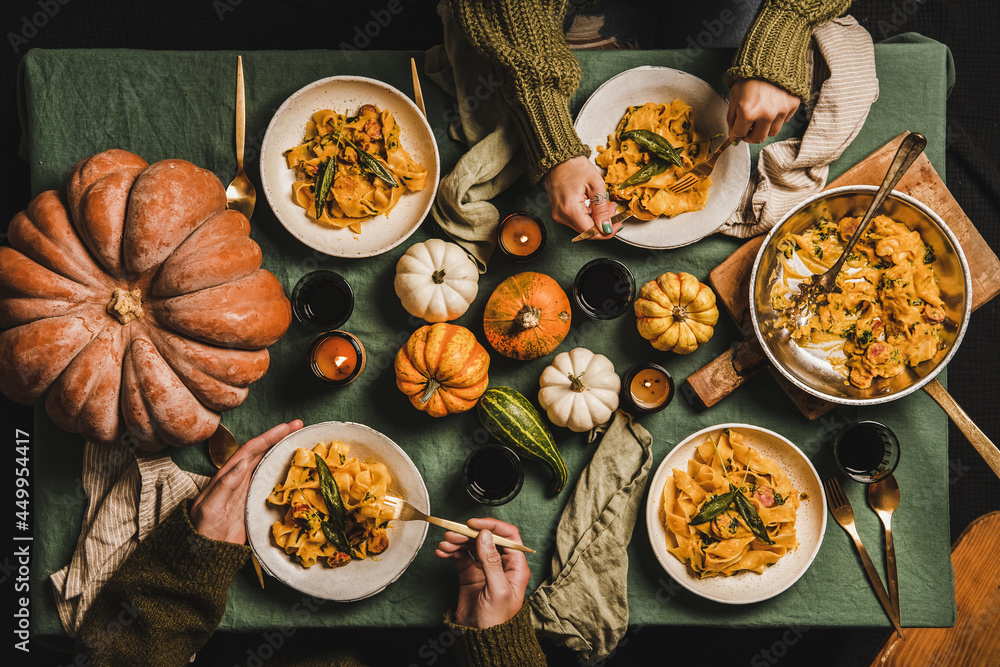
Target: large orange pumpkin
527 316
136 305
442 369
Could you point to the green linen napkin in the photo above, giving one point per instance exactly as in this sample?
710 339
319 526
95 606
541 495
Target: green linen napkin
494 160
583 605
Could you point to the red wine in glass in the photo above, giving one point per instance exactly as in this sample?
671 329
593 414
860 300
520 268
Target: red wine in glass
867 451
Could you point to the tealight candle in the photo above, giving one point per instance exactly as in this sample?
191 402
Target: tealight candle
337 358
648 388
521 236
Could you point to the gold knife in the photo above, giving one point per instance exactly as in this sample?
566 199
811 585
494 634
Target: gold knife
595 230
418 96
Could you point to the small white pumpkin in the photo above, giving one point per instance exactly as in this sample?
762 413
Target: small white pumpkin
579 390
436 280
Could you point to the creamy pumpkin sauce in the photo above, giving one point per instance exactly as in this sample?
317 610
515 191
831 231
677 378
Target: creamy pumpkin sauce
887 312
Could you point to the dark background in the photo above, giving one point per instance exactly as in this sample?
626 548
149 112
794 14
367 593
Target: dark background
972 175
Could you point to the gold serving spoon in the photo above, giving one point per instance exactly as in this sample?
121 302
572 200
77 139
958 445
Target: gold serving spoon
221 446
240 195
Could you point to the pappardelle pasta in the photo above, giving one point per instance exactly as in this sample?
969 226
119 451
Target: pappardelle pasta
731 511
352 168
887 312
640 167
311 529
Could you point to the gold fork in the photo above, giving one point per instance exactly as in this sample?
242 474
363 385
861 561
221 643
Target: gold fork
404 511
691 178
840 508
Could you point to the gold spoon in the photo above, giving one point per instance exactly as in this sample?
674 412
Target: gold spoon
883 496
221 446
240 195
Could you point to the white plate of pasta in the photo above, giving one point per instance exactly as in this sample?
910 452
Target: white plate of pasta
725 558
689 113
286 510
383 166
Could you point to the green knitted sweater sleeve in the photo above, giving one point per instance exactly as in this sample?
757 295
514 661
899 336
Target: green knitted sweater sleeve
775 46
165 601
524 44
510 643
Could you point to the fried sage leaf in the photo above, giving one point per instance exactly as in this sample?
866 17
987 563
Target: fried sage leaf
336 536
655 144
324 179
714 507
333 529
331 494
655 166
370 164
749 514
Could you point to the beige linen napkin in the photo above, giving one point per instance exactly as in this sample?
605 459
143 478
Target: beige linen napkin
494 159
127 495
583 604
790 171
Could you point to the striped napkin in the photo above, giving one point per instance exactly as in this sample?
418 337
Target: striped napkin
127 495
792 170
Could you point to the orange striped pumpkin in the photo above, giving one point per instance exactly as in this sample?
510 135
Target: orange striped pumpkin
442 369
527 316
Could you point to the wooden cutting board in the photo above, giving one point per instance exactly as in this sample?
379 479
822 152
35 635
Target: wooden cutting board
975 637
731 281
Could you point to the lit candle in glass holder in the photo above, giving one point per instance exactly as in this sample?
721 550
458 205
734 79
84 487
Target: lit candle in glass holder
647 388
521 236
337 358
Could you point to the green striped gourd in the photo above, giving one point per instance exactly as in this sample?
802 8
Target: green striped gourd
511 419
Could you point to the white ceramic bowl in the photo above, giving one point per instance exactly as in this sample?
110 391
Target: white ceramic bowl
360 578
600 115
346 94
810 522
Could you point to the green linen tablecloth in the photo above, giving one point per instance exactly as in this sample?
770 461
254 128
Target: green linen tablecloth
180 105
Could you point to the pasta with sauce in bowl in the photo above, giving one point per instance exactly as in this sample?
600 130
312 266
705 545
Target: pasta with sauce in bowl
352 168
305 530
731 510
626 161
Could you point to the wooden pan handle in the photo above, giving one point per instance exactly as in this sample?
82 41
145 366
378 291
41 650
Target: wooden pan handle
973 433
721 376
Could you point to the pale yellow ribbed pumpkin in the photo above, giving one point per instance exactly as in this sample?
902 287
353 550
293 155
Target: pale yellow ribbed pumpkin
676 313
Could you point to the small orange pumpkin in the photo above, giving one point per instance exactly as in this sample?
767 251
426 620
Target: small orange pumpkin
442 369
527 316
